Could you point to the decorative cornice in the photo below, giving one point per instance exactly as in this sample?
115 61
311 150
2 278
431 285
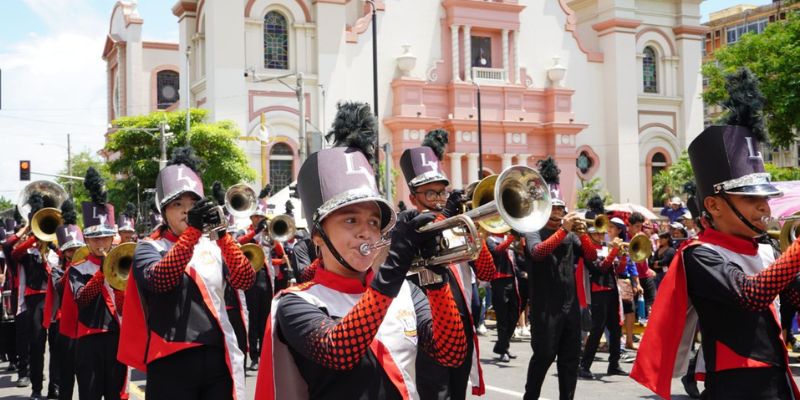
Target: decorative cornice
160 46
690 30
181 7
616 23
591 56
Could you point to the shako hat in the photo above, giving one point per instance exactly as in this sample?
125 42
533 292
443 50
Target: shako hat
98 214
179 177
420 165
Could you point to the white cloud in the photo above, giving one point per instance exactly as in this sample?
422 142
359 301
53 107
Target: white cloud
53 84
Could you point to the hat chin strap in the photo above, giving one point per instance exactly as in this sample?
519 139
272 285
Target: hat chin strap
333 250
741 217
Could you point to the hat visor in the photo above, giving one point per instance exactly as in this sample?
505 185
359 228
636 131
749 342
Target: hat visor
98 231
428 177
388 216
763 189
73 244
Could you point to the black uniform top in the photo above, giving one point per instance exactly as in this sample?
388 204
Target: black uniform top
552 279
95 315
663 259
502 258
301 257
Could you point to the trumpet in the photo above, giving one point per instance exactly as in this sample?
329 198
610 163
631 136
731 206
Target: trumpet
600 224
117 265
788 232
281 227
639 248
255 254
45 222
241 200
519 197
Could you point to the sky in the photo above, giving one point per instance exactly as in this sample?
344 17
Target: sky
54 80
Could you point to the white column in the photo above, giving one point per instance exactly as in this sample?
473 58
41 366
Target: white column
454 50
505 54
456 181
472 167
507 160
467 54
522 159
516 57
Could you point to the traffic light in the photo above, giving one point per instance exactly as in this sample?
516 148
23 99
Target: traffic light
25 170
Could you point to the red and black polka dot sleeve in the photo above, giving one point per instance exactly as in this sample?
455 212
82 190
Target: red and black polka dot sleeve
165 275
545 248
484 264
759 291
449 344
793 293
587 247
338 345
247 237
309 271
242 275
90 290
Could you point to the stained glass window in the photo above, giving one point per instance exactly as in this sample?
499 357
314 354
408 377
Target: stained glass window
168 86
280 166
276 41
649 71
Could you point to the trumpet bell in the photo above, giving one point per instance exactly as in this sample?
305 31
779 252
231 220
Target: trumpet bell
788 232
484 193
117 265
241 200
255 254
45 222
640 248
80 255
53 195
524 198
282 228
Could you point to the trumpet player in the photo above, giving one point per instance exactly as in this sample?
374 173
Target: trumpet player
99 306
730 279
331 337
428 187
555 313
127 224
186 343
34 258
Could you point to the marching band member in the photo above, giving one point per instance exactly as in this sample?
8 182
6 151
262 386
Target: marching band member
555 314
186 343
34 258
428 187
98 305
11 283
127 224
725 281
62 347
354 332
505 297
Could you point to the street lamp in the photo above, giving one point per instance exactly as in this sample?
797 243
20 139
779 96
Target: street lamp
375 86
480 132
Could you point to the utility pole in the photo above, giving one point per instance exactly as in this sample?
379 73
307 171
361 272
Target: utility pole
301 107
375 87
69 164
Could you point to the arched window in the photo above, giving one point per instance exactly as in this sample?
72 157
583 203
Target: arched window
658 163
276 41
281 158
168 88
649 77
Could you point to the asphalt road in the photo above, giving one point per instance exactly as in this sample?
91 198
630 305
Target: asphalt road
504 381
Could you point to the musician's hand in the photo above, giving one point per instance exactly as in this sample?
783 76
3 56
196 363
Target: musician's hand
569 221
261 226
199 213
616 243
455 203
406 241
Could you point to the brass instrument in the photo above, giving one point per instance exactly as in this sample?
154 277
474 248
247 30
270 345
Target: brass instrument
255 254
53 194
788 232
117 265
519 197
639 248
45 222
281 228
600 224
80 255
241 200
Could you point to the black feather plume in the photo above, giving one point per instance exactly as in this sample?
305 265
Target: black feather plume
690 188
218 191
355 126
153 208
549 170
401 206
36 201
185 155
289 207
266 191
68 212
94 183
745 103
596 204
437 140
130 210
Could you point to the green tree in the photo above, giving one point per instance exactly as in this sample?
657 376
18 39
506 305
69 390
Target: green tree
80 163
5 203
590 188
139 150
774 57
783 174
670 181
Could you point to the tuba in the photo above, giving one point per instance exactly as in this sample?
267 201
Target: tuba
53 194
45 222
255 254
241 200
117 265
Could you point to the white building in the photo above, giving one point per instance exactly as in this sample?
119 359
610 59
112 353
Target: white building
610 85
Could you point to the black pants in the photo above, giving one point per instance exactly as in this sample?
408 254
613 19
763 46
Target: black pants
605 315
748 384
259 301
100 375
506 306
66 381
197 373
31 340
8 341
54 369
554 334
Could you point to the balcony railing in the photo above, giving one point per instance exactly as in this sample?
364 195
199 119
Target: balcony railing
489 75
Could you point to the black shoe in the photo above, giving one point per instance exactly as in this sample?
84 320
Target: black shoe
584 373
616 370
11 367
52 392
23 382
36 396
511 356
690 386
253 365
